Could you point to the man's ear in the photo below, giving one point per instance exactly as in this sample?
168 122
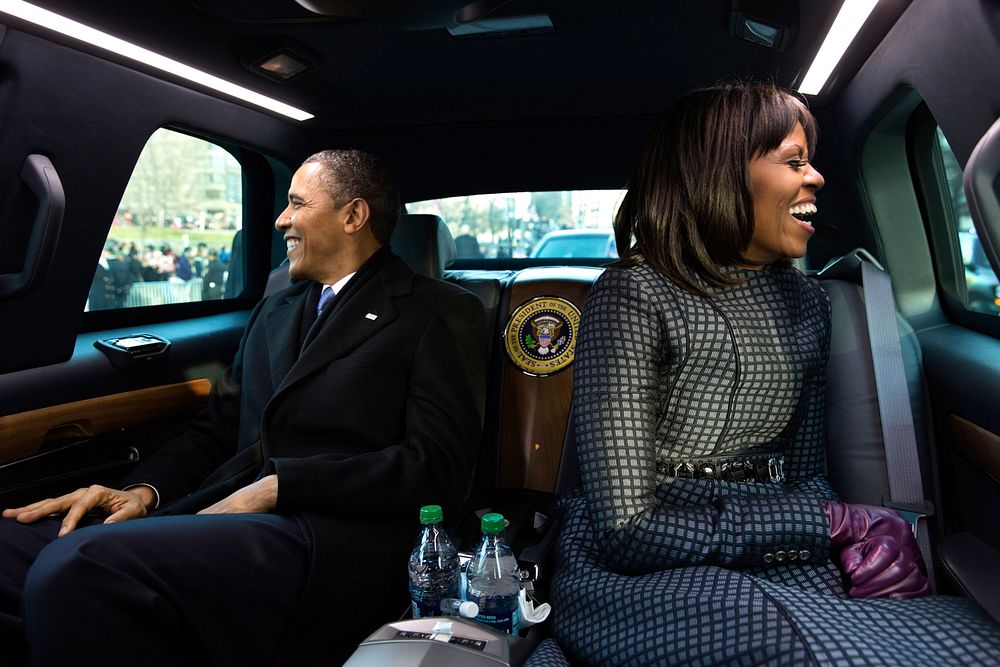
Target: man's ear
357 215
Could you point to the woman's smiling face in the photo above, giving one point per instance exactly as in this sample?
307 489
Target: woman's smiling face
783 184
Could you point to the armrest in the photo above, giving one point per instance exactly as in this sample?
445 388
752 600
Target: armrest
975 566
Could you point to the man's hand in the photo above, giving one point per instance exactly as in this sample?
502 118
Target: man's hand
118 505
261 496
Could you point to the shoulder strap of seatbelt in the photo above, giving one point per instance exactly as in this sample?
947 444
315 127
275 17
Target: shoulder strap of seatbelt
906 489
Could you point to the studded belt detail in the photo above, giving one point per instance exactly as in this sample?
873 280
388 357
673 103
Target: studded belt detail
766 469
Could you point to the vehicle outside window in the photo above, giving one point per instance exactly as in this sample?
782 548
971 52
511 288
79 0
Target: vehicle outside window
514 225
577 243
981 281
173 237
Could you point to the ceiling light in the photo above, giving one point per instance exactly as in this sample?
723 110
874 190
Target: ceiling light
760 33
84 33
282 66
502 26
852 16
771 24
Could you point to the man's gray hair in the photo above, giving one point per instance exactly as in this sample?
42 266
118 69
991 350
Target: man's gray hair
347 174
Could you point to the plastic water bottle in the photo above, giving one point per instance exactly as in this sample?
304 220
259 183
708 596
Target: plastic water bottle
433 565
494 581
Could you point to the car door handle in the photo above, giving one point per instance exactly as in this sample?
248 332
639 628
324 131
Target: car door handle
41 177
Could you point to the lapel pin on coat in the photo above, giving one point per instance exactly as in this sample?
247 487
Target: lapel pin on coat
371 316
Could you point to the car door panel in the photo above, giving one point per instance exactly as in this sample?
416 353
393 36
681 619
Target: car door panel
29 433
63 414
66 413
963 369
979 446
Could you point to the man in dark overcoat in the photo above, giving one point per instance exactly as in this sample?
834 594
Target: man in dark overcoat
275 529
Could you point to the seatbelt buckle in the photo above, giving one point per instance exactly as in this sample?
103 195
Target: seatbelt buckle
911 512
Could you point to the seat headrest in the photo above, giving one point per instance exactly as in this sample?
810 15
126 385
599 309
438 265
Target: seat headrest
424 242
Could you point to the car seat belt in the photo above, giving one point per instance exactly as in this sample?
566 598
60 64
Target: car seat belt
906 489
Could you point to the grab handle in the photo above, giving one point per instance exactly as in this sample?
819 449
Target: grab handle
43 180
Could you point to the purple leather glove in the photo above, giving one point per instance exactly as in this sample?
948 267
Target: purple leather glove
849 524
880 566
880 555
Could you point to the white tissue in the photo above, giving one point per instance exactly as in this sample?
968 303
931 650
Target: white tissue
530 614
442 631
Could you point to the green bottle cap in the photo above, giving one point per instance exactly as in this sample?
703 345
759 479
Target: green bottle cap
493 523
431 514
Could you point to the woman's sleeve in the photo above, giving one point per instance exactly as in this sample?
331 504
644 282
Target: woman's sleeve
805 457
622 355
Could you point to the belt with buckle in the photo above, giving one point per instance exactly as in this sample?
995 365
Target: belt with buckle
761 469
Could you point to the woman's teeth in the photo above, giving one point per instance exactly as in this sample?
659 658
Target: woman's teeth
802 210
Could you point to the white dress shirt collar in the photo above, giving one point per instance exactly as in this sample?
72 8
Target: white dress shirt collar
339 285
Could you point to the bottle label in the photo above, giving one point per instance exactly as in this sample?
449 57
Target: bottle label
426 602
508 621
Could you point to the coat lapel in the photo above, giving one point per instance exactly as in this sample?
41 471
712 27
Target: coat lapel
365 312
283 324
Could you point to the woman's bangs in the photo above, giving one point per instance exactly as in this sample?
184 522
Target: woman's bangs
775 118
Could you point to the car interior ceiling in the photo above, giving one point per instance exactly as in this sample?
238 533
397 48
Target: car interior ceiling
568 108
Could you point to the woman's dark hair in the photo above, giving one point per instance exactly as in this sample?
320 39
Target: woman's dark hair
689 206
353 173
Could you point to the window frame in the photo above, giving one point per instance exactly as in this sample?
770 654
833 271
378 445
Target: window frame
258 185
938 211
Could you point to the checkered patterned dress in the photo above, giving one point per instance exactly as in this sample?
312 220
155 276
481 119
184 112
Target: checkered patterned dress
655 569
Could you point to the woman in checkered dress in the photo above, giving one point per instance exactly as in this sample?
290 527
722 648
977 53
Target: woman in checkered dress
704 527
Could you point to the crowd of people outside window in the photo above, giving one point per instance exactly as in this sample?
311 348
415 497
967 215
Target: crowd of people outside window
126 263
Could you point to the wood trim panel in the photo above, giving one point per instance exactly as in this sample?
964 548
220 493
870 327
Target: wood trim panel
535 410
975 443
23 434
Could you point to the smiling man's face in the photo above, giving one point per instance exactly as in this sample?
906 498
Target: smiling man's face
313 227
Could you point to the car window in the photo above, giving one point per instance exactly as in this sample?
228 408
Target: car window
980 279
173 237
512 225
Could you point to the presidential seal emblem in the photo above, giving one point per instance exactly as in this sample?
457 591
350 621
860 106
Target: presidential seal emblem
540 337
